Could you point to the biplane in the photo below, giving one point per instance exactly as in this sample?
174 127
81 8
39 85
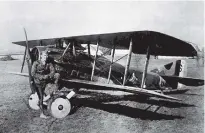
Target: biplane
81 69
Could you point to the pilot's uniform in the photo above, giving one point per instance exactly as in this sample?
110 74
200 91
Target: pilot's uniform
44 74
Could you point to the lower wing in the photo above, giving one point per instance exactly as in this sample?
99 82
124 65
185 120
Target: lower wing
101 86
20 74
96 85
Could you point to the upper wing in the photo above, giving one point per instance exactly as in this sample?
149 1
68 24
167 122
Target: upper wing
159 43
97 85
184 80
40 42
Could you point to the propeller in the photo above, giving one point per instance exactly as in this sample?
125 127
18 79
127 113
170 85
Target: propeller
27 47
25 52
28 59
24 58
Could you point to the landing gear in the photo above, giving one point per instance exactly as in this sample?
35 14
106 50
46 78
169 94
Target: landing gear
59 107
34 101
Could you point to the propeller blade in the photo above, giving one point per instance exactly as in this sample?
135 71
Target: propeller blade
27 47
24 58
31 81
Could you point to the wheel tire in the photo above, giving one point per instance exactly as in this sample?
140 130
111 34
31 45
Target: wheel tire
33 101
59 107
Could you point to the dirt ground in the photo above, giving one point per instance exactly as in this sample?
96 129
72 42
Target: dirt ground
100 112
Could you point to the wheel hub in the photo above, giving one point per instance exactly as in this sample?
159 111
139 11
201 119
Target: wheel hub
60 107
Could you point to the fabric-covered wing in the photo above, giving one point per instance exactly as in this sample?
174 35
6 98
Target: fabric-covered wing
33 43
20 74
96 85
159 43
101 86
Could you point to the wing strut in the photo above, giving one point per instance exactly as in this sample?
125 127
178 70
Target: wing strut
65 51
89 49
145 69
113 54
93 70
74 52
128 62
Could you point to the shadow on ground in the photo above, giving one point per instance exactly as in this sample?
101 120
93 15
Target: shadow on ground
101 101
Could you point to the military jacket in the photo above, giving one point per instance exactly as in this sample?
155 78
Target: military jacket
41 72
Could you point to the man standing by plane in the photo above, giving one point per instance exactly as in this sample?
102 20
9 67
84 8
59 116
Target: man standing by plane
43 72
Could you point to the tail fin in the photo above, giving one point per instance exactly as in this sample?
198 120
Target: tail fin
180 70
176 68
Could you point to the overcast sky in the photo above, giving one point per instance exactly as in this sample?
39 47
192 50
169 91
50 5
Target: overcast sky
183 20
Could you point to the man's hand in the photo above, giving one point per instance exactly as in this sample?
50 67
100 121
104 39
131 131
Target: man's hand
45 77
40 77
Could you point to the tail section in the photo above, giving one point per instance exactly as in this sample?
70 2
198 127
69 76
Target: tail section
177 68
180 70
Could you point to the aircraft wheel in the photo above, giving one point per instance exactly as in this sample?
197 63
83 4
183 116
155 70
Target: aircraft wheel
59 107
34 101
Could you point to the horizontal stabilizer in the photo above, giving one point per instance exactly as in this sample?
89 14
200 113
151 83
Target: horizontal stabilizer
173 91
185 80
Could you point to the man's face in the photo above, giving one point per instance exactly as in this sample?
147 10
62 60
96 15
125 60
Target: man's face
44 57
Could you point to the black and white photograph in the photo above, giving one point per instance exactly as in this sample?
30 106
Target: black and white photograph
101 66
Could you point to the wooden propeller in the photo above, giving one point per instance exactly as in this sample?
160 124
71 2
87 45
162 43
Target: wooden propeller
29 60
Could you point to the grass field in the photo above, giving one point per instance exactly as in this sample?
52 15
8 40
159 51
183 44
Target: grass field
102 112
